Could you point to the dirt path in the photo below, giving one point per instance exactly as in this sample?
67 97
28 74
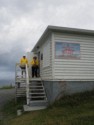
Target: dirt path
5 95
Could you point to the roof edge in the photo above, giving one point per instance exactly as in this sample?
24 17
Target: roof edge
45 31
63 29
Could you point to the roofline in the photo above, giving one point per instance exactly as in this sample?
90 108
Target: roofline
50 29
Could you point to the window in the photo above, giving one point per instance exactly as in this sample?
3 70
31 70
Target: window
41 56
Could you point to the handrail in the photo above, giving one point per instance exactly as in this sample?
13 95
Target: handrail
18 64
43 85
18 71
27 85
27 80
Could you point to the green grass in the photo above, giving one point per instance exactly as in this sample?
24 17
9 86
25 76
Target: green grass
10 109
77 109
7 87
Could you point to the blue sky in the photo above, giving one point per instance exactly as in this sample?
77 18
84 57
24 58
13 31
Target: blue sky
22 22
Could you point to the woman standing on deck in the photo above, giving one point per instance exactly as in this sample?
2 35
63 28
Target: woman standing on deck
35 66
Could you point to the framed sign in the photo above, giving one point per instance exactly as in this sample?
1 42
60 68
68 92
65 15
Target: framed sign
67 50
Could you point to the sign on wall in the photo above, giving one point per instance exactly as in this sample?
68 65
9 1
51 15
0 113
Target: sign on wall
67 50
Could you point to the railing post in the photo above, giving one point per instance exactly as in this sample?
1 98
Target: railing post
27 86
15 83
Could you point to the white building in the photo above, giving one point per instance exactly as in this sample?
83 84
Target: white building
66 57
66 54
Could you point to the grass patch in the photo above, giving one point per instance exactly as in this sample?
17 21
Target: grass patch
7 87
10 109
77 109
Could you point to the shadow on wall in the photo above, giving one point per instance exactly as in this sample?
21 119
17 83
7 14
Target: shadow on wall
57 89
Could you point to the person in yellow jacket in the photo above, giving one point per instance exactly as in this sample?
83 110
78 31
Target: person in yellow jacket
35 66
23 63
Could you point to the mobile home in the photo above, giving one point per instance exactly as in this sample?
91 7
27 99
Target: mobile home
66 57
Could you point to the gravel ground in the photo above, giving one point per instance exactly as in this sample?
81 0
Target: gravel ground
5 95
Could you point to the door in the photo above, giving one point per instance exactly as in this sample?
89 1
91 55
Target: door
39 63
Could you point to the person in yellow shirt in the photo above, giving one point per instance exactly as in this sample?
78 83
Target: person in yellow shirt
35 66
23 63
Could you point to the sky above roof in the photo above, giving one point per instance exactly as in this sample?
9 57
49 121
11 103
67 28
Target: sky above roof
22 22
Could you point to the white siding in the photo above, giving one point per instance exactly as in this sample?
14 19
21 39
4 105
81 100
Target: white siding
79 69
46 53
46 67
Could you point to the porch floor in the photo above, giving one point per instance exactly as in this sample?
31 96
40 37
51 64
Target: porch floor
30 79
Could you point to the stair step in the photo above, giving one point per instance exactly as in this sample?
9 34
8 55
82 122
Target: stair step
36 82
38 96
33 108
20 92
21 86
20 95
18 89
20 80
36 87
35 79
36 93
38 103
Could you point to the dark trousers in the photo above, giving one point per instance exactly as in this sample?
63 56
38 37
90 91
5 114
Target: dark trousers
34 71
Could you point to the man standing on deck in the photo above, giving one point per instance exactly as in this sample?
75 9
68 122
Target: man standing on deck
23 63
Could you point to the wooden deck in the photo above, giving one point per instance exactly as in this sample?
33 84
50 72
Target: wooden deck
30 79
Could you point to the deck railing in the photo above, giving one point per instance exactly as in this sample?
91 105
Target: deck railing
27 85
18 75
18 71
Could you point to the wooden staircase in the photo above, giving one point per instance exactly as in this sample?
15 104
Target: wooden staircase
33 90
37 96
20 89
